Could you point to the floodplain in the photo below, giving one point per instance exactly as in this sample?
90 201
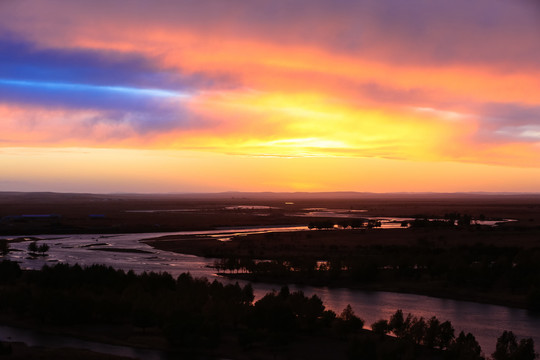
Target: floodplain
475 247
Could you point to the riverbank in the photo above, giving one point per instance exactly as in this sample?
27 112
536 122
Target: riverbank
188 318
479 264
329 243
426 289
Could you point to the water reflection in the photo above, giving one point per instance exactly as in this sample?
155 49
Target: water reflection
486 322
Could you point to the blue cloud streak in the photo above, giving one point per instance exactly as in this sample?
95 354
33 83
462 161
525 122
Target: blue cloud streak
119 88
21 60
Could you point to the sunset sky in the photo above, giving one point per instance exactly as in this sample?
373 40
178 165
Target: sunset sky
259 95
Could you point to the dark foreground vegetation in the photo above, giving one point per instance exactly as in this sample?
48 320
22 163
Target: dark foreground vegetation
499 265
21 351
501 274
195 317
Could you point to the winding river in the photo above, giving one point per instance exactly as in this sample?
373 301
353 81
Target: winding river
486 322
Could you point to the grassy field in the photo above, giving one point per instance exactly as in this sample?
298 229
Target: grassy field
478 263
90 213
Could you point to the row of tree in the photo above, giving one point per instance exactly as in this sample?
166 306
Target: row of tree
449 220
508 270
194 313
434 334
4 247
355 223
33 247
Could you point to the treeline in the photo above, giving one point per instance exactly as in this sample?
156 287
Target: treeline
357 223
434 334
188 311
478 268
200 315
449 220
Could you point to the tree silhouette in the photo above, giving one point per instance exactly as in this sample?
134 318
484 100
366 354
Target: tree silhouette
418 330
320 225
347 322
9 271
398 324
43 248
525 350
507 348
465 347
193 313
4 247
33 247
380 327
433 332
446 335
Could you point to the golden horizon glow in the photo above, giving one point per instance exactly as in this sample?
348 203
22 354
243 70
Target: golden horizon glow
344 84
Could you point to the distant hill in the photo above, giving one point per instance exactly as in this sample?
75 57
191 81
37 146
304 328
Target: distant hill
48 196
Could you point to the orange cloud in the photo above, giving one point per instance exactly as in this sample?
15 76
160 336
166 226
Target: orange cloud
323 89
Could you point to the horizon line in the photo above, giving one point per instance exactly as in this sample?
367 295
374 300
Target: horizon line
232 192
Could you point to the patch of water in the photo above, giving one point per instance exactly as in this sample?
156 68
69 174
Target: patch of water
486 322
